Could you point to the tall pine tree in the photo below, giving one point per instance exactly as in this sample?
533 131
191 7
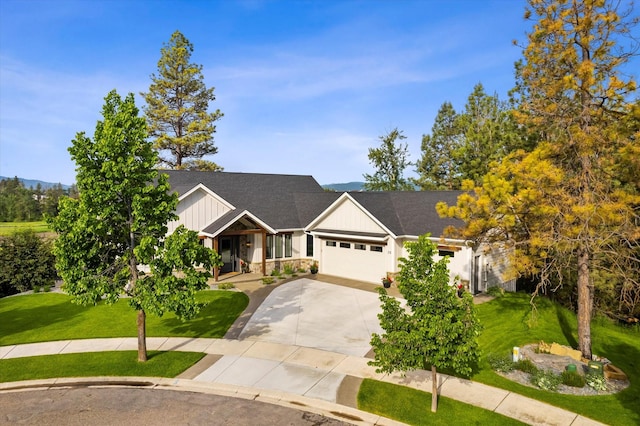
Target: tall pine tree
569 208
177 109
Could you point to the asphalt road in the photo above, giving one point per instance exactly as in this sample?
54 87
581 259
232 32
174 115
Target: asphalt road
127 406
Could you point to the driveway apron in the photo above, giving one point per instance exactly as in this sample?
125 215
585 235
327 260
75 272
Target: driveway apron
303 313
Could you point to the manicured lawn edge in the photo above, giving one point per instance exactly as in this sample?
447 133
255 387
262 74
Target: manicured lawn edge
110 363
413 407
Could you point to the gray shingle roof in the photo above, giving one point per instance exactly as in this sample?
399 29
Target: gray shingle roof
293 201
409 212
270 197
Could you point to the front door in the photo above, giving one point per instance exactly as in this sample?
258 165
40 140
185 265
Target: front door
229 253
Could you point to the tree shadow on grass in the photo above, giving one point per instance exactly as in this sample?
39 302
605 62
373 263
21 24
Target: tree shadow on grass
627 358
21 316
213 320
565 326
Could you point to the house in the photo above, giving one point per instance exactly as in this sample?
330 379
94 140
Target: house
262 222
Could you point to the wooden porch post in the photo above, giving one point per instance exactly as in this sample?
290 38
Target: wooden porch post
216 270
264 252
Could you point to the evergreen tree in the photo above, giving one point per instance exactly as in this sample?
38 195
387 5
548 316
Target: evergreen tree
176 110
437 167
569 208
488 134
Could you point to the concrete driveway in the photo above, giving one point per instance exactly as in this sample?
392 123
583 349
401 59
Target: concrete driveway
318 315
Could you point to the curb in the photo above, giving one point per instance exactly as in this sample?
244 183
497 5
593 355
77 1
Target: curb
283 399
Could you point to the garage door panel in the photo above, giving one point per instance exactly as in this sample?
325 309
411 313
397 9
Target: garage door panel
362 265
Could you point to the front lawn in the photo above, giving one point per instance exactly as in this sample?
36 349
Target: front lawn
117 363
413 407
509 321
51 316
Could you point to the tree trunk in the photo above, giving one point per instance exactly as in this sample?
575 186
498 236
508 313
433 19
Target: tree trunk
434 389
142 336
585 304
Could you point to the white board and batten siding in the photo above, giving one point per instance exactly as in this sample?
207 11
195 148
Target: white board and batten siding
197 210
353 257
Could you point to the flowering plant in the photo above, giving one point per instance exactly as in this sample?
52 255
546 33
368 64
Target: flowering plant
387 279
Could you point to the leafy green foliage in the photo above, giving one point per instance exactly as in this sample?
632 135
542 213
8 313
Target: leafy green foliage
501 363
436 328
596 381
390 162
120 221
176 109
546 380
525 365
573 379
26 263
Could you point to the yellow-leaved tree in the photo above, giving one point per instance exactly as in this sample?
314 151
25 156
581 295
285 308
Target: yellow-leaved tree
569 208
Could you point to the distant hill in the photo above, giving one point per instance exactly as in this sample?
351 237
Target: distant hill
32 183
350 186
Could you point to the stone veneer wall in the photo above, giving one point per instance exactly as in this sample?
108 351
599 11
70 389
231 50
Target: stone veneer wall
280 264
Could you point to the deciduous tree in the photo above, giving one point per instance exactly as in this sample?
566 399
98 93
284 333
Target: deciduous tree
119 222
177 109
436 329
570 206
390 161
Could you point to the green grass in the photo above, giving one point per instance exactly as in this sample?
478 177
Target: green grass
509 321
118 363
51 316
8 228
413 407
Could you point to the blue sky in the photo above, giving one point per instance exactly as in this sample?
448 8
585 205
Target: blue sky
306 87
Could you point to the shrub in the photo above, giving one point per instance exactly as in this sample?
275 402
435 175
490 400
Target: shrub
495 291
225 286
275 273
267 280
501 363
289 270
573 379
26 262
596 381
546 380
525 365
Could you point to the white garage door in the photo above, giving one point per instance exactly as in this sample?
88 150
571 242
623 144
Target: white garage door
357 261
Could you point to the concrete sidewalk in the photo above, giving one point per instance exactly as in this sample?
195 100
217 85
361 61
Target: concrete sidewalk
289 374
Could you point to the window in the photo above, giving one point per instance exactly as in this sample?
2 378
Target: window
359 247
288 246
376 248
278 246
269 246
345 245
331 243
444 253
309 245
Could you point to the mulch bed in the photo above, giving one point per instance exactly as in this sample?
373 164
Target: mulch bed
557 364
